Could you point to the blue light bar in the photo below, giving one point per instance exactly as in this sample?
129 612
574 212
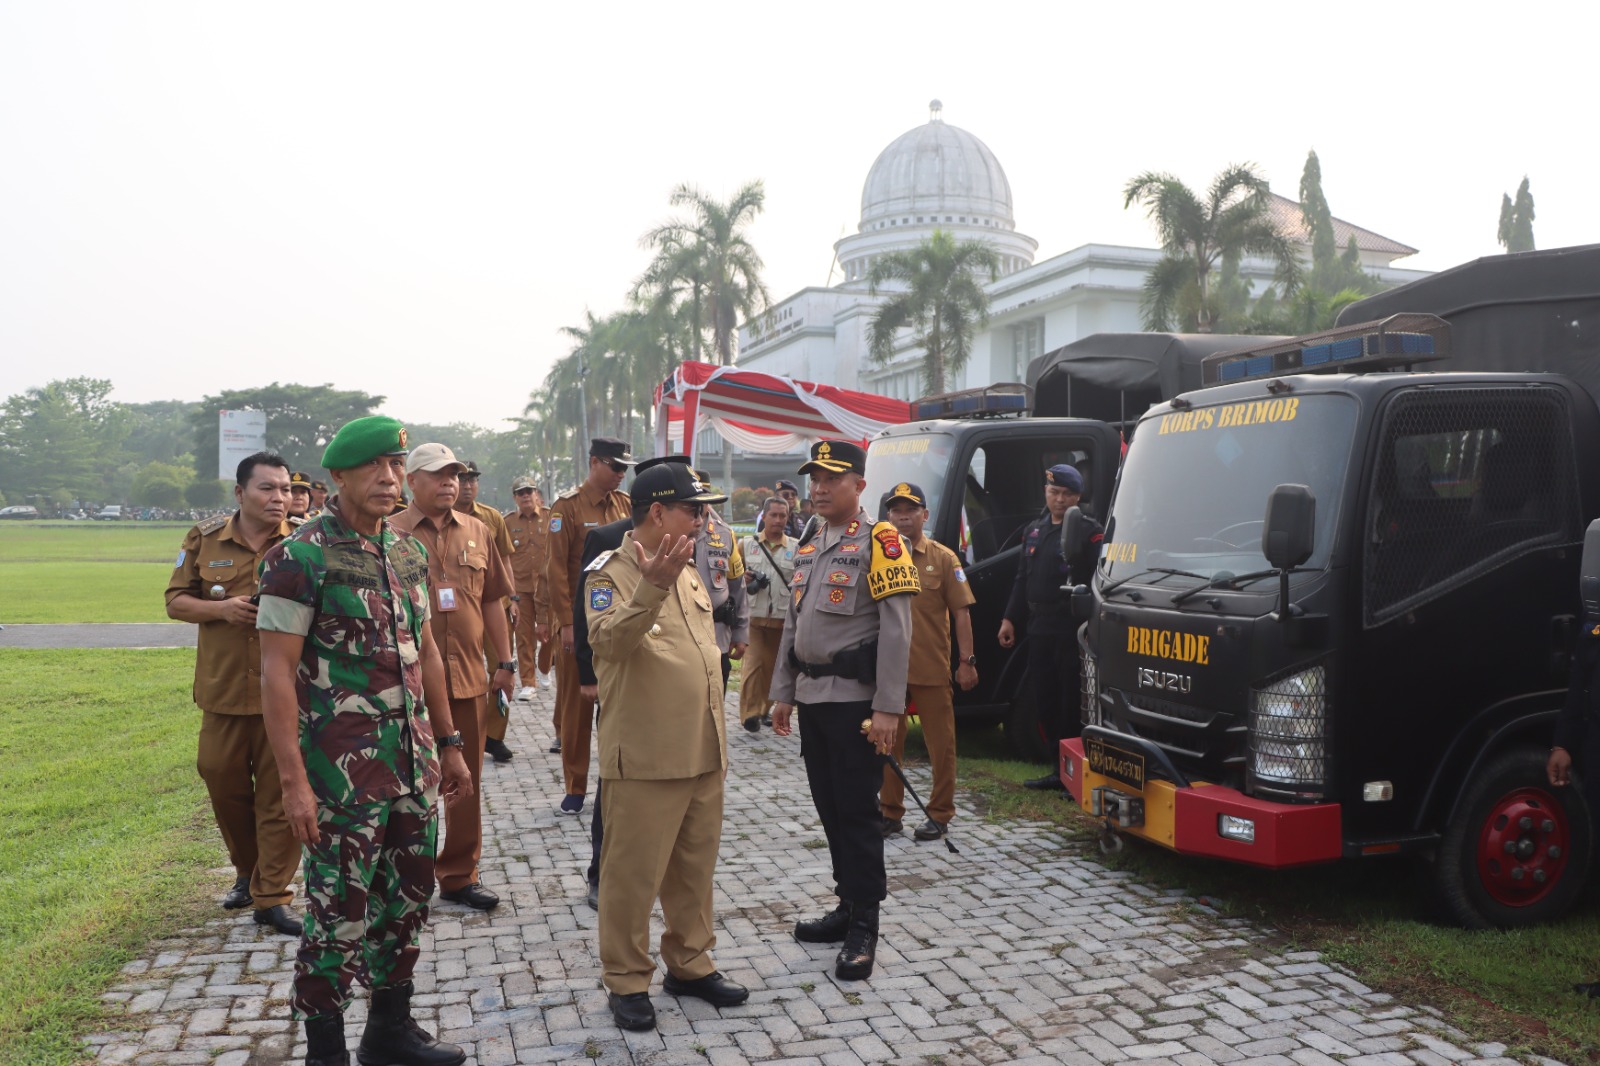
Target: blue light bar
1004 398
1397 341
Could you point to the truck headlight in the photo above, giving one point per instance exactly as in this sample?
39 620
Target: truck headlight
1088 685
1289 732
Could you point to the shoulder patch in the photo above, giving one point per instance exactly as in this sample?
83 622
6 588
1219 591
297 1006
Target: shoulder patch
183 553
888 539
889 572
600 596
598 561
212 524
555 521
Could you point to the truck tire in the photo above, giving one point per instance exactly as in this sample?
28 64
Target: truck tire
1517 851
1024 731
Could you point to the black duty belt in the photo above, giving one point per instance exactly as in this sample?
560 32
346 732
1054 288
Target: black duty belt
853 664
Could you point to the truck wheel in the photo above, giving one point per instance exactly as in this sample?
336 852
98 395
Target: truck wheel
1517 852
1024 731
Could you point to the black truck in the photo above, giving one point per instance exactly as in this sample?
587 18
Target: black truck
1334 613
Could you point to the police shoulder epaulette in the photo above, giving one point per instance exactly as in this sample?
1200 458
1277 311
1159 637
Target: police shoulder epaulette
212 524
599 561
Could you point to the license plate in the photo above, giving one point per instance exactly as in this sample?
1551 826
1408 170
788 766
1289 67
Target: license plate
1118 764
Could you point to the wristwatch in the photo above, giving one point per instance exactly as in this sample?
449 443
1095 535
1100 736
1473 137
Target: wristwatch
452 740
509 668
971 660
516 599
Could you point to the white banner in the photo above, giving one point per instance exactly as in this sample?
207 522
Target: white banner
240 434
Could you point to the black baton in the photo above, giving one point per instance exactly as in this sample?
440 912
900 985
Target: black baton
894 764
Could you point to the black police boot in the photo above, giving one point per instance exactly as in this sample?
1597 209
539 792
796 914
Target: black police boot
325 1041
860 944
392 1038
829 929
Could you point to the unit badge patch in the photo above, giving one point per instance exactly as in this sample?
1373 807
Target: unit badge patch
836 595
847 549
839 577
183 553
600 597
555 523
808 549
889 540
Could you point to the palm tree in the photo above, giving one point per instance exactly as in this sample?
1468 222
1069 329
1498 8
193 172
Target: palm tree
710 257
1204 240
943 302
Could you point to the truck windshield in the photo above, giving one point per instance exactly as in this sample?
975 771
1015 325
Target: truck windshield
921 460
1194 486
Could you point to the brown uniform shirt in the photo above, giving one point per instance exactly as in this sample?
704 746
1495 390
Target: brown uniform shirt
530 543
497 528
572 516
227 665
659 671
944 591
461 555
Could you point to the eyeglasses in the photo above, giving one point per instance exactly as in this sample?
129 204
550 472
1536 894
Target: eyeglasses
616 468
694 509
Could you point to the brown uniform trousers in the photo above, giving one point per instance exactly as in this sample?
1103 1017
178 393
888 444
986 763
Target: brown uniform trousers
756 667
234 758
461 553
572 516
935 709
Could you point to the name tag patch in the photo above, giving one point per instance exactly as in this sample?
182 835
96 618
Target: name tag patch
220 562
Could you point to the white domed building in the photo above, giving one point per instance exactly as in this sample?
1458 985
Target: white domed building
939 176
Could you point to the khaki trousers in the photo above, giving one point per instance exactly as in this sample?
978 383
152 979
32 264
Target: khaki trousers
457 864
574 723
235 761
936 711
661 841
755 679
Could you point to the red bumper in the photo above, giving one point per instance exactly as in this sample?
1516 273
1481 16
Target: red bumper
1188 820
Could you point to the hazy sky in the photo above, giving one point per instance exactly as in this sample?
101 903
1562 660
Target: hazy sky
412 199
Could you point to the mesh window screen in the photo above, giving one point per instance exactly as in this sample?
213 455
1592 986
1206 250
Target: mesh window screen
1467 479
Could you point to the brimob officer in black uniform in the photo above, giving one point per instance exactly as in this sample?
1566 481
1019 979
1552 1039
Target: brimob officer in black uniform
1577 739
1038 603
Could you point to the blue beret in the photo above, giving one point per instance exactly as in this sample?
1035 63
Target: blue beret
1065 476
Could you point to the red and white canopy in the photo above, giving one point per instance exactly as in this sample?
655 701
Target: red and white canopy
764 413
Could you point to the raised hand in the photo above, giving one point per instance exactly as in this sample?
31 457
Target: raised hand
662 568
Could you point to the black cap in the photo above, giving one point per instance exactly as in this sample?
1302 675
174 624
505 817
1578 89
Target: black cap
670 482
471 469
319 486
909 493
297 480
612 449
836 456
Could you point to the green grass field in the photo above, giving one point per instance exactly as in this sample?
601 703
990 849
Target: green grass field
1510 987
86 571
107 835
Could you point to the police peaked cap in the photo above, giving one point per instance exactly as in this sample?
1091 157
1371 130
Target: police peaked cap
837 457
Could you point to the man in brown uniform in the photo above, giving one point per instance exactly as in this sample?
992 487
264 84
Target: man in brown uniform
494 739
945 593
529 526
594 503
468 580
663 749
212 585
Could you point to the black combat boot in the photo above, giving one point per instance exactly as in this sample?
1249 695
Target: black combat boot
860 943
829 929
325 1041
392 1038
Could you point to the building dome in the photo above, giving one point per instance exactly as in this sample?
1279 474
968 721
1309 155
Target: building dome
936 176
936 169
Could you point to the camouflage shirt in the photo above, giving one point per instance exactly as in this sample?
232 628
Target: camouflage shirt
364 731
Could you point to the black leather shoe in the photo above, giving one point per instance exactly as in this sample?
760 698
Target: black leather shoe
555 749
474 895
497 750
393 1038
238 896
280 918
893 827
860 950
829 929
714 988
929 830
325 1041
752 725
592 897
766 720
1047 783
633 1011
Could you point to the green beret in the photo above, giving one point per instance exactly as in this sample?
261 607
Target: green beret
363 439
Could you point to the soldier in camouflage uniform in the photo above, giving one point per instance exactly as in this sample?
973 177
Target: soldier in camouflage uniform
353 692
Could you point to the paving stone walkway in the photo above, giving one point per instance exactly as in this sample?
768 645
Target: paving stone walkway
1020 949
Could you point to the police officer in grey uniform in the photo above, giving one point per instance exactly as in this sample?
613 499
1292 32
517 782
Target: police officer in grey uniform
716 556
844 656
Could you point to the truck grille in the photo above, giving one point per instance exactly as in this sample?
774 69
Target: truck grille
1206 743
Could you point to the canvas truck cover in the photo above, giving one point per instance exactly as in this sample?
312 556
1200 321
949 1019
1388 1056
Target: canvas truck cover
1114 377
1530 312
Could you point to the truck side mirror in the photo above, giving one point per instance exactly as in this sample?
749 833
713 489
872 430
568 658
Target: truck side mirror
1074 533
1290 532
1589 574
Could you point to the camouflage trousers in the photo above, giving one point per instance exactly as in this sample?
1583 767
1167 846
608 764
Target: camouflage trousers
369 878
